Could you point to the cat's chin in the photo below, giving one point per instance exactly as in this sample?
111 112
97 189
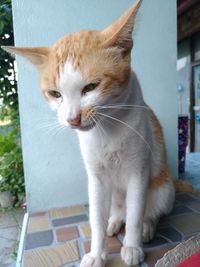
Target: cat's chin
86 128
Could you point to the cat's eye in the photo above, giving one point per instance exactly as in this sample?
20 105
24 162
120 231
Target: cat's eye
89 87
54 93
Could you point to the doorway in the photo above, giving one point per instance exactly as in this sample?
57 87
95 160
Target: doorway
195 104
188 67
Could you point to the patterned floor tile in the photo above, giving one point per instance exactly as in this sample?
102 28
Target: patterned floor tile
86 246
71 223
157 241
186 224
52 257
67 211
114 246
117 262
195 206
85 230
69 265
37 214
170 233
186 198
163 222
180 209
66 233
70 220
38 223
39 239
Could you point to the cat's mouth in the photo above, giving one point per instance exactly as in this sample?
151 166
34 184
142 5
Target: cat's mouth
84 127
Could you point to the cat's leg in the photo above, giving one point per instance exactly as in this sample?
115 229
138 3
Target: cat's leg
132 252
117 213
99 205
160 201
148 229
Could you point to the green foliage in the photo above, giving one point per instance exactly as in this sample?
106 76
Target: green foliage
8 83
11 165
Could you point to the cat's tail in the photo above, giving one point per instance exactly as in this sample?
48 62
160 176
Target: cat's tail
183 186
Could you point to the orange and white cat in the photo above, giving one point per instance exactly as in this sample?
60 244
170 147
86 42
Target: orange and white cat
87 78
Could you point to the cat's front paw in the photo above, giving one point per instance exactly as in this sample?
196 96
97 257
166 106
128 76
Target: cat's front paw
132 255
90 261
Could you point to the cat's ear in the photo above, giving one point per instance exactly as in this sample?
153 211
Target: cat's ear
120 32
36 55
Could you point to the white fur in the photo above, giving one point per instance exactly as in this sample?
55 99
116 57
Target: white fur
119 162
70 84
120 159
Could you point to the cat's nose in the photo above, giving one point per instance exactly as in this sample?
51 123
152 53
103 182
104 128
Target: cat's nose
75 121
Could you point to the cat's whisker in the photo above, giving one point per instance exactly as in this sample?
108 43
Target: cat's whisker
51 130
43 119
99 128
122 106
57 130
108 121
48 125
60 130
131 128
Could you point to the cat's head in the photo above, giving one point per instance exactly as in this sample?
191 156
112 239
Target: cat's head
85 70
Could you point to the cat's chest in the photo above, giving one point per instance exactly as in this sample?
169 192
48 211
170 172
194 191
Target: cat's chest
110 154
107 153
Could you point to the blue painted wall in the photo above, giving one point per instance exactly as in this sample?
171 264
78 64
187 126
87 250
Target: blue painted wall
54 171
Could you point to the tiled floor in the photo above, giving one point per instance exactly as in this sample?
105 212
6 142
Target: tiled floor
60 237
10 228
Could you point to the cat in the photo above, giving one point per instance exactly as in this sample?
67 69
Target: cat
87 78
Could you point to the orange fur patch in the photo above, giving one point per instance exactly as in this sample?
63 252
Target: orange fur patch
161 179
87 113
164 175
98 55
183 186
157 128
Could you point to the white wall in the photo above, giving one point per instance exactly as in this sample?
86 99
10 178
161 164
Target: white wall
54 171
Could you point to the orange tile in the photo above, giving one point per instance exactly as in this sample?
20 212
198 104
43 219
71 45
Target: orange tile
66 233
38 224
87 246
114 245
51 257
66 211
37 214
85 230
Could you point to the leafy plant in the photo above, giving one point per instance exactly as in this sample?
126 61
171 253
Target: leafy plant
11 165
8 83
